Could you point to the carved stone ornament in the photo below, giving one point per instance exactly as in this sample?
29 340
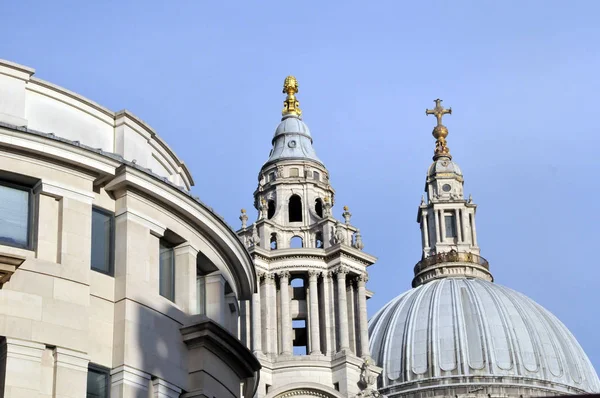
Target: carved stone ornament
339 236
283 275
358 243
254 239
279 172
367 381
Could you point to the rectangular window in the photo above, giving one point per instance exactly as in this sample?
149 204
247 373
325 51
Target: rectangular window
167 270
450 222
103 241
15 215
294 172
97 382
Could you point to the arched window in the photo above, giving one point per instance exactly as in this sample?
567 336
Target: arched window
319 207
296 242
271 209
273 241
295 208
319 240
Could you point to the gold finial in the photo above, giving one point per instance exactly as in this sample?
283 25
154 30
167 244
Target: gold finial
440 132
345 208
243 211
326 199
291 105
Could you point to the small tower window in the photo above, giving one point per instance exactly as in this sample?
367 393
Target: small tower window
319 207
319 240
296 242
450 222
271 209
316 176
273 241
271 177
295 208
294 172
300 336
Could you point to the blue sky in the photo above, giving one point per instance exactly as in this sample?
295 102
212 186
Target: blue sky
521 77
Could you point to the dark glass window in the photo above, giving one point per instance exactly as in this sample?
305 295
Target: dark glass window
167 271
103 232
450 222
97 382
15 215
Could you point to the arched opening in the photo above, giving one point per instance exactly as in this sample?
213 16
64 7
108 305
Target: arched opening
319 207
273 241
271 209
295 209
299 324
319 240
296 242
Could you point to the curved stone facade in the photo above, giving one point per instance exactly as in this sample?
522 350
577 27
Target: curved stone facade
113 275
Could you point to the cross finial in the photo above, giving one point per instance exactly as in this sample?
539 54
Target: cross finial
440 132
439 111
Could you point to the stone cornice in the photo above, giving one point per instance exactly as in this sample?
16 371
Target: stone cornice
204 332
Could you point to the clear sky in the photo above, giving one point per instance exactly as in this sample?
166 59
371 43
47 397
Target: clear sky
522 79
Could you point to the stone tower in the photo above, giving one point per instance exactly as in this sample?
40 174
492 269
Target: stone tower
310 325
447 220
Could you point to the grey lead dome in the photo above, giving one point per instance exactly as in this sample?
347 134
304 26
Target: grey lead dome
457 331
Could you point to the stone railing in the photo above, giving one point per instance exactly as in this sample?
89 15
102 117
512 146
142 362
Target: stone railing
451 257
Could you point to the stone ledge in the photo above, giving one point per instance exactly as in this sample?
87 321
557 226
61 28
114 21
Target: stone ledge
8 265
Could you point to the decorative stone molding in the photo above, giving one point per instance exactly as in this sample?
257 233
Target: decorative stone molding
164 389
8 266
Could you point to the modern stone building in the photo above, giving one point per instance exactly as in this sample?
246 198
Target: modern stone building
310 324
114 279
458 334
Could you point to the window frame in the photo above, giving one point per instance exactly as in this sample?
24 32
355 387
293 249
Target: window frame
453 226
111 265
100 369
30 214
171 247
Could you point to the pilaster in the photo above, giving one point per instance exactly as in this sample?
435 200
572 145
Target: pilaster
128 382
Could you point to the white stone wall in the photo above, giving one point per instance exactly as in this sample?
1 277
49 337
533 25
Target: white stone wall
57 315
50 109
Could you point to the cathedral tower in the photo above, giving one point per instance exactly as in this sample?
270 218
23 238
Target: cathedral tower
310 325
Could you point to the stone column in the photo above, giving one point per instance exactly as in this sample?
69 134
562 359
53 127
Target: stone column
425 230
186 293
271 306
215 298
351 301
342 309
23 368
256 318
128 382
362 315
328 307
70 373
286 319
442 226
315 339
458 225
474 231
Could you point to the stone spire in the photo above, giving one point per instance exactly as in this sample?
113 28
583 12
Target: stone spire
311 303
447 220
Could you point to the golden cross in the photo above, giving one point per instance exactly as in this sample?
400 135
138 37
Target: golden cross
438 111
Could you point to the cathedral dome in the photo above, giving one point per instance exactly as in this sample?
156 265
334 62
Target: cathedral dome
460 335
294 125
292 140
444 165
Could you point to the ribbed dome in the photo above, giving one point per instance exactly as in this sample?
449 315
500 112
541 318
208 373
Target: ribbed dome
292 140
468 335
444 165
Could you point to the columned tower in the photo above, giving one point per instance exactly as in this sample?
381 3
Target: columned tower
310 325
447 219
